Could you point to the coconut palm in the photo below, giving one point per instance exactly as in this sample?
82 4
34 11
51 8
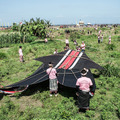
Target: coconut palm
36 27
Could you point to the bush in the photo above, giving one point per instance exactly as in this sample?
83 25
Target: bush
115 55
2 55
7 39
118 38
73 36
91 49
90 113
116 31
109 71
110 47
67 31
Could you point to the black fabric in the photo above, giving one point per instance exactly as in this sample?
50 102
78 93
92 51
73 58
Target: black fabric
65 77
51 58
37 77
83 99
84 62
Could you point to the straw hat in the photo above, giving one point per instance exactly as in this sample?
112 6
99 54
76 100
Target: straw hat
84 71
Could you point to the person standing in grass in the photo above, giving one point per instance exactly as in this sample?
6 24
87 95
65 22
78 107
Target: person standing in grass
46 40
67 42
65 48
20 54
55 52
83 46
83 86
53 82
102 38
75 42
98 38
109 40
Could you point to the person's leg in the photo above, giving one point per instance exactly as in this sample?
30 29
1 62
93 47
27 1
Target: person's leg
56 93
50 93
20 58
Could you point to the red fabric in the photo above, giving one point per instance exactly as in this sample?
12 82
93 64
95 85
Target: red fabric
69 60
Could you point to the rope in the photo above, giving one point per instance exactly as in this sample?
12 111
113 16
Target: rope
34 75
69 73
74 74
40 78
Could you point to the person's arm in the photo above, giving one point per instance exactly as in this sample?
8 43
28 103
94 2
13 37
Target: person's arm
91 88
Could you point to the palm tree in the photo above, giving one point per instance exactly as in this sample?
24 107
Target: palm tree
35 27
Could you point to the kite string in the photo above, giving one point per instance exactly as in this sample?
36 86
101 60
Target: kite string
40 78
30 77
74 74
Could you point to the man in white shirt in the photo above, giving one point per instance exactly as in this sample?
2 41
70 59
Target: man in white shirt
67 42
20 54
83 46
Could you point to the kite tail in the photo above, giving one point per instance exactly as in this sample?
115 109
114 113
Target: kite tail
13 90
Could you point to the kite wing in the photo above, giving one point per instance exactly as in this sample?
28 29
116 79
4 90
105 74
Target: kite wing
68 63
69 59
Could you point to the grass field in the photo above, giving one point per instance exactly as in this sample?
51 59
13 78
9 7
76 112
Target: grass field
35 103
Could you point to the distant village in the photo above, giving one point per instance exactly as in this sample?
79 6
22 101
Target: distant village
77 25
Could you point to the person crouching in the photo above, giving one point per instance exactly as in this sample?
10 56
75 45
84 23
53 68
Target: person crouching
53 82
83 85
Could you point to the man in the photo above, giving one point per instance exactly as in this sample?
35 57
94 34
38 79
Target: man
20 54
55 52
83 85
67 42
83 46
53 82
46 40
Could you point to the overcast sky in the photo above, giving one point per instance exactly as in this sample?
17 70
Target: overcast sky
60 11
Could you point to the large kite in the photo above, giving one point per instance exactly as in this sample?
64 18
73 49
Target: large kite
68 64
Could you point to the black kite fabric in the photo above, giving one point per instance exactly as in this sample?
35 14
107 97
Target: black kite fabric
68 64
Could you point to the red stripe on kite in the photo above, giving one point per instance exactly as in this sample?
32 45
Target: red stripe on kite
69 60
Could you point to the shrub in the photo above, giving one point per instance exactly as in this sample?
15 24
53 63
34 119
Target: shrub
93 104
115 55
107 115
9 106
67 31
91 49
73 36
118 112
29 39
118 38
116 31
110 47
7 39
109 71
102 91
90 113
2 55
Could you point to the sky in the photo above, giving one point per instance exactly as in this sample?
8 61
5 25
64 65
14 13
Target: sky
60 11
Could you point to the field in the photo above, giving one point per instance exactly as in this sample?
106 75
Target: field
36 104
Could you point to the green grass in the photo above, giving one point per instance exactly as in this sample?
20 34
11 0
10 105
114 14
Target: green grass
35 103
